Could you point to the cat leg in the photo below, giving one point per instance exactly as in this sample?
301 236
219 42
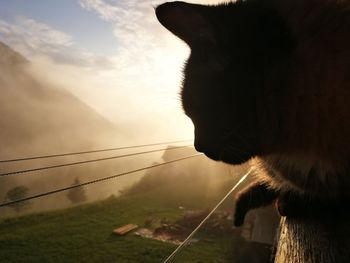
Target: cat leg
253 196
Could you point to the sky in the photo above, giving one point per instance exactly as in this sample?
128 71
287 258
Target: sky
112 54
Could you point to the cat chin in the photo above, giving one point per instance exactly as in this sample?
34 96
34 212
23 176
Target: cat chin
236 157
235 161
228 158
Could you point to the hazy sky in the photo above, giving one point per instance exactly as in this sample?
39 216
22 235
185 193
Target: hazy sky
113 54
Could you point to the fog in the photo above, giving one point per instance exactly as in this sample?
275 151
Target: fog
42 117
57 97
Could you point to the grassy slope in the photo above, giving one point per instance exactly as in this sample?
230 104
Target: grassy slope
83 234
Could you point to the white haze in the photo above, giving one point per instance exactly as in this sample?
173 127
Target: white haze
138 85
136 88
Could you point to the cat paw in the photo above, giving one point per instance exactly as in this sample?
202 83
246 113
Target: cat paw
238 219
253 196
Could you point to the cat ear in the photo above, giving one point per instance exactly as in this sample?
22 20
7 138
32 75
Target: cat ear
186 21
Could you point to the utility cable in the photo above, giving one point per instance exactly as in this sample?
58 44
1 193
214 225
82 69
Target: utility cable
87 161
85 152
95 181
185 242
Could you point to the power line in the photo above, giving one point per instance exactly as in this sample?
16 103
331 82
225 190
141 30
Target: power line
95 181
85 152
86 161
185 242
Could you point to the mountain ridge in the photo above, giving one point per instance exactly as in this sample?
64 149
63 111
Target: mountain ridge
37 115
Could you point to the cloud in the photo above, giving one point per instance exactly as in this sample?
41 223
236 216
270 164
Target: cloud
33 38
137 87
148 62
138 33
148 57
143 45
105 11
33 35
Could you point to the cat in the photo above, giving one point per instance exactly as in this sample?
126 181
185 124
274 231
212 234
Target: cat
268 81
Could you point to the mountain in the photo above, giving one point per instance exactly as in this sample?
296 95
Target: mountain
38 119
41 119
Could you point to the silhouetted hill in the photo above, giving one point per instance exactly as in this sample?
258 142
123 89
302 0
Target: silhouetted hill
39 119
10 57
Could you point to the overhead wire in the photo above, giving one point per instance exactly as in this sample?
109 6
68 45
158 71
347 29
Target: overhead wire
87 161
86 152
185 242
9 203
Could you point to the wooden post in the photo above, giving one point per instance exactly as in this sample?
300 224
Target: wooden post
314 240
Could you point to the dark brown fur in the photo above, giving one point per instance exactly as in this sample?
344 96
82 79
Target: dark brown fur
269 81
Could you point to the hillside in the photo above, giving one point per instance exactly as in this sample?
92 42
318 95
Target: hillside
194 182
84 234
36 119
164 196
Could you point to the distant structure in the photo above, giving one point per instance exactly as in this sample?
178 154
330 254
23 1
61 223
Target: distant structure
260 231
261 225
76 195
169 155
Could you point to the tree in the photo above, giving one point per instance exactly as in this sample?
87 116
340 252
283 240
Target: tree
16 193
77 194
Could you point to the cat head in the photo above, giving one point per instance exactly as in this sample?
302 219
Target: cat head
232 46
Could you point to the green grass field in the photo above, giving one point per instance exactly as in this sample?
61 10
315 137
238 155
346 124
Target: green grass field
84 234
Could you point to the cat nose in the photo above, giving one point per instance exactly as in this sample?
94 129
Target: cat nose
198 147
199 141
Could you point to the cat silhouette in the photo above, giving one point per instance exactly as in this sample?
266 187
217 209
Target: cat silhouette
268 81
